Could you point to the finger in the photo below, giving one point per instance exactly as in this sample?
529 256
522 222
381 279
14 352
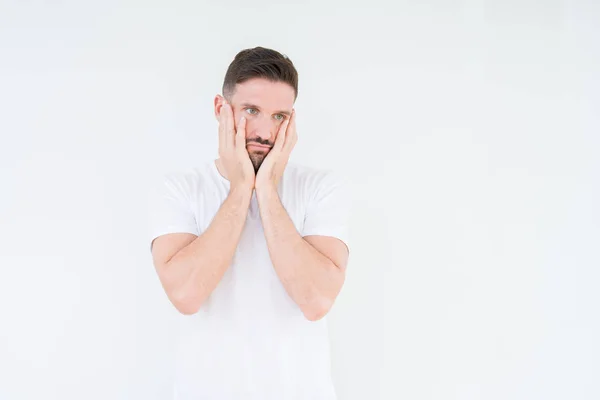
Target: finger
229 127
224 125
222 134
291 136
280 140
240 136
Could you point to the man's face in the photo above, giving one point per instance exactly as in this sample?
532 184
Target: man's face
265 105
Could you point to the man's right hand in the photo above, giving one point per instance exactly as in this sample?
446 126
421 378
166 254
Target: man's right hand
232 150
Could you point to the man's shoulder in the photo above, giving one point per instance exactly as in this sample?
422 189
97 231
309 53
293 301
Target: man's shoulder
313 176
183 176
187 179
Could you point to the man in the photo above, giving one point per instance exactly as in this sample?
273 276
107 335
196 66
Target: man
253 248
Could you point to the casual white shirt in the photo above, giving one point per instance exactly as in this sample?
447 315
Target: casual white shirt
250 340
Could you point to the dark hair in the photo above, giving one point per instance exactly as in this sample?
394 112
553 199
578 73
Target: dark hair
260 62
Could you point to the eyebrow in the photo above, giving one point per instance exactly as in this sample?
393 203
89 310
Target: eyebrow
250 105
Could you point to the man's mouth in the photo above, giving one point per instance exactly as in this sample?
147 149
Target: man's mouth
259 146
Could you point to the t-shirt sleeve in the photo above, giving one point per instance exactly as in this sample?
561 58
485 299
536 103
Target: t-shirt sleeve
170 207
329 207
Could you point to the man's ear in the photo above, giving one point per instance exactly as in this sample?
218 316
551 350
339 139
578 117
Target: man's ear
218 103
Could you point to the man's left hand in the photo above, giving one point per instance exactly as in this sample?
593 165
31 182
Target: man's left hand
274 164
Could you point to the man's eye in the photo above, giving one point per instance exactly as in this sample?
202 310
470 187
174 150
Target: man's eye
282 117
250 109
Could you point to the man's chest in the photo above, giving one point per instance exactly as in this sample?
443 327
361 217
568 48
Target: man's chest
251 283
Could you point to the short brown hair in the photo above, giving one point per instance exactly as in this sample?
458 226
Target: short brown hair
260 62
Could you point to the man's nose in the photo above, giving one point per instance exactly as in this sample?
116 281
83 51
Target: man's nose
264 128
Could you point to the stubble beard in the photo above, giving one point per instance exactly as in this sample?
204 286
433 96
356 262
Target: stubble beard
257 160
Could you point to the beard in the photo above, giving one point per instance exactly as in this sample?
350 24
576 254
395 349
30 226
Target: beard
257 158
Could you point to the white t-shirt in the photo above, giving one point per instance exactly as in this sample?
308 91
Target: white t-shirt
250 340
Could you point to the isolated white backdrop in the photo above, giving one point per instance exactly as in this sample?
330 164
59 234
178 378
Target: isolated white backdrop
470 129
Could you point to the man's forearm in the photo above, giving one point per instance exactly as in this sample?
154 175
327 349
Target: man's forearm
310 278
196 269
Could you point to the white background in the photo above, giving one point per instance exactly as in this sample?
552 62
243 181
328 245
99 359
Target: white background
471 131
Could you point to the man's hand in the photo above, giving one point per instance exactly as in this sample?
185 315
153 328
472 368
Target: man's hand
232 150
274 164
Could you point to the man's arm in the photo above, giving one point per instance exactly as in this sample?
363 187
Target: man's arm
190 266
312 269
312 274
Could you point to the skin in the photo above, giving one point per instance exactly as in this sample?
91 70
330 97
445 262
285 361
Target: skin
311 268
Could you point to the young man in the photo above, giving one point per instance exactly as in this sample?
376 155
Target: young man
253 248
